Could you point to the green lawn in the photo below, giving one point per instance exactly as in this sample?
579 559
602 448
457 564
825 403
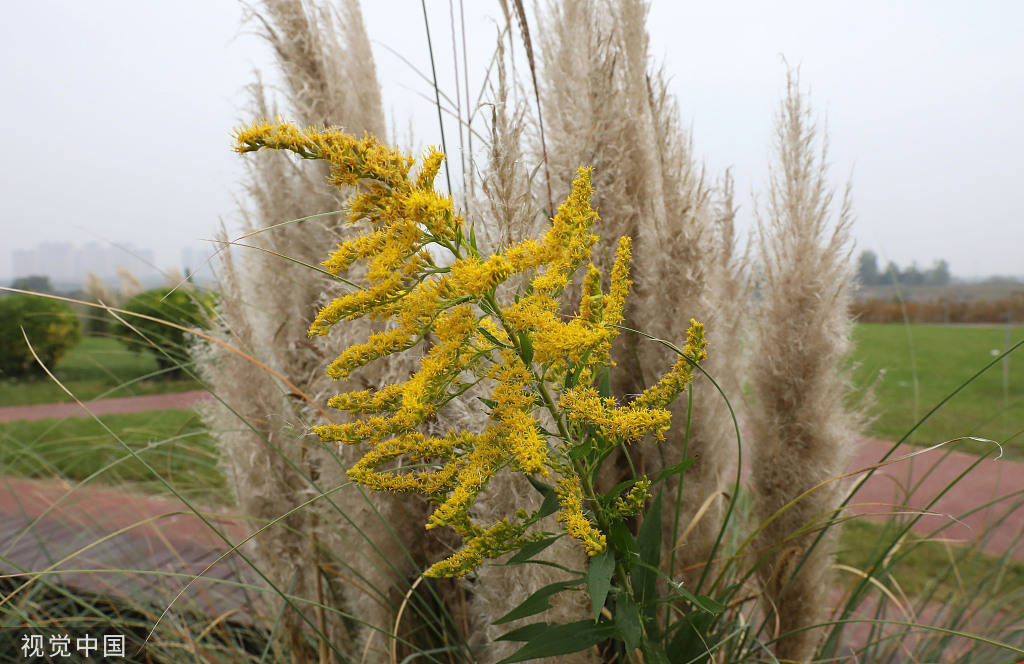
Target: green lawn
173 442
914 367
97 367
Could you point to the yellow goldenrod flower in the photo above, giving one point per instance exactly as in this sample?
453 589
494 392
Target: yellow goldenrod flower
676 380
491 542
633 502
620 423
592 299
524 349
616 300
570 515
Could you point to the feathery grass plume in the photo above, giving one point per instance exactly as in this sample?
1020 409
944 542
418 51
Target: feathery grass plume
130 284
328 76
97 290
803 430
605 106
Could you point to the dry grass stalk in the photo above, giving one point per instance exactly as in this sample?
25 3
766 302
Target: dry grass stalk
803 431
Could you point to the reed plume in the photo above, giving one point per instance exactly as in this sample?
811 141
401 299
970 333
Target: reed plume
604 105
272 462
802 429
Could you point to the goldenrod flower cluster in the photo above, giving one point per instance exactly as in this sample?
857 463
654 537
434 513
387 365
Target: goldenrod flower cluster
523 350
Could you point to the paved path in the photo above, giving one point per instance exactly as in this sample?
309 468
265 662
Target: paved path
44 521
173 400
112 541
915 482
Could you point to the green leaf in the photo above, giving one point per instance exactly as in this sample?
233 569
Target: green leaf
550 504
604 388
654 653
530 549
573 374
712 606
702 602
627 622
648 542
672 470
575 369
537 602
493 339
599 579
544 488
472 237
621 539
525 633
582 450
689 644
608 498
526 344
490 403
561 640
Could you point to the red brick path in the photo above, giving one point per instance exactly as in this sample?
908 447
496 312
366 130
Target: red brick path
174 400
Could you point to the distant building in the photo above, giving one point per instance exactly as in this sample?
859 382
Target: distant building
68 266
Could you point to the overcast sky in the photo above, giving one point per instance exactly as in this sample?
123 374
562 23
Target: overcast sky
117 115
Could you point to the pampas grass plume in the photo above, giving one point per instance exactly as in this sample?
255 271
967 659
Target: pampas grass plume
802 429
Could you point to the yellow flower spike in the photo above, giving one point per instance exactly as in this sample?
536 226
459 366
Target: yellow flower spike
616 300
480 465
492 542
387 398
592 300
675 381
413 447
517 426
571 516
431 167
351 250
624 423
569 240
472 276
633 502
378 345
434 210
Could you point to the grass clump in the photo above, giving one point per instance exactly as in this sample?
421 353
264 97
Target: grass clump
173 442
97 367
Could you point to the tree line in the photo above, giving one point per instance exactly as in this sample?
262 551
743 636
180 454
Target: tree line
869 274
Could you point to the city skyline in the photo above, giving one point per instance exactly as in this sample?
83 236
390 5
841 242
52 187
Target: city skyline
67 264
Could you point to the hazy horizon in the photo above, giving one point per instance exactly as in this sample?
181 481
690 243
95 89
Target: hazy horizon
125 112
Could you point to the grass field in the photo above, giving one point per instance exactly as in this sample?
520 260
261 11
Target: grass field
97 367
173 442
912 368
941 571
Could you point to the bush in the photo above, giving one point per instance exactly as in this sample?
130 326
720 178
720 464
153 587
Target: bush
183 307
52 328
